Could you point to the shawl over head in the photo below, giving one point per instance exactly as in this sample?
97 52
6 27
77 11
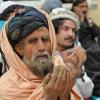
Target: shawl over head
24 23
19 83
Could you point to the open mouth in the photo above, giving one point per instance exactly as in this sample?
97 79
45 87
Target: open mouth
85 12
44 56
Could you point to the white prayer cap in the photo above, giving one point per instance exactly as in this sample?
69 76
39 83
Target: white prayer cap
60 13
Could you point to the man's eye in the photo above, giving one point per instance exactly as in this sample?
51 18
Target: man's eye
33 40
45 40
74 30
65 28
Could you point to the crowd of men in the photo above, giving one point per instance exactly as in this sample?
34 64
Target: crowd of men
49 53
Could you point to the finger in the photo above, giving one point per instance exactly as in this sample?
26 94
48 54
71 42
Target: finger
71 58
46 80
63 81
67 52
54 75
81 51
69 68
74 58
56 61
59 78
82 58
72 76
72 70
71 82
67 86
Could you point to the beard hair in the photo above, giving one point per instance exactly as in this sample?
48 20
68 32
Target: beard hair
38 67
66 46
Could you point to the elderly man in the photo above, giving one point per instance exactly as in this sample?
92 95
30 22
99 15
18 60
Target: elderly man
66 24
28 45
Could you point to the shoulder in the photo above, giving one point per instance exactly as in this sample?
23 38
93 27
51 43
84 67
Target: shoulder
94 48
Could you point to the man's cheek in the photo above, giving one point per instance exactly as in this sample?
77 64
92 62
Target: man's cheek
48 49
30 54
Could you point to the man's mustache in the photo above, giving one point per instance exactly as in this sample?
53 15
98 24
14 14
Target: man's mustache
42 54
69 38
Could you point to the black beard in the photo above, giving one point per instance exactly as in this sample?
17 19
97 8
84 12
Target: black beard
67 47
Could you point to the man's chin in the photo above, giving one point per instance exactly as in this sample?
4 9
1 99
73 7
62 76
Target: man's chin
68 46
42 67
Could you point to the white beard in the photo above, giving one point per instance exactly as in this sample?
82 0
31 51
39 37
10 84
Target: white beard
39 67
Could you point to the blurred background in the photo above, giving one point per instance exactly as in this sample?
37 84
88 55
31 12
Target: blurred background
93 4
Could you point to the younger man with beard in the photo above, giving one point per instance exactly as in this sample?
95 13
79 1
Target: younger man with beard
66 23
28 45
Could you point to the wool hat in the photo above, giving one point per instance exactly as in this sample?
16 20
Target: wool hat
60 13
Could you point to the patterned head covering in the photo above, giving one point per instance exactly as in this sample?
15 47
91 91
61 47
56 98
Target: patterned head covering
24 23
60 13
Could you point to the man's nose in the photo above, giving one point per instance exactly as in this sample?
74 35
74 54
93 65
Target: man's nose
41 46
70 32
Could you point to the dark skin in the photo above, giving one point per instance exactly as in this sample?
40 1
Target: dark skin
60 81
77 57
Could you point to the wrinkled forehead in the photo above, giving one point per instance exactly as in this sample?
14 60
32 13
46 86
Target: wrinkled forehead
40 32
69 22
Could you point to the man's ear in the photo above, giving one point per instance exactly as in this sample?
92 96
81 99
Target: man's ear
19 49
